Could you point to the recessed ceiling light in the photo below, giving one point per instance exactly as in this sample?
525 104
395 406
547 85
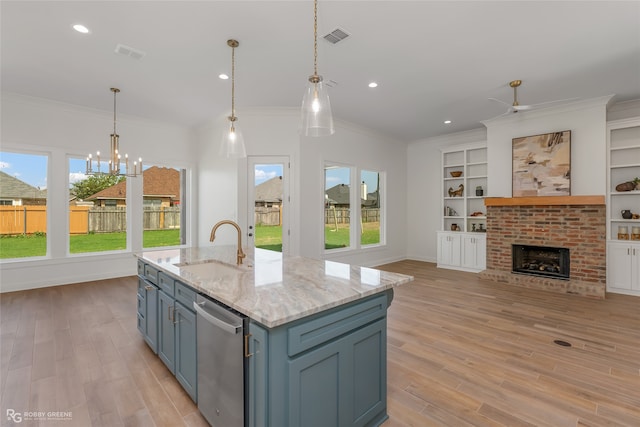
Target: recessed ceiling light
223 77
81 28
373 84
447 122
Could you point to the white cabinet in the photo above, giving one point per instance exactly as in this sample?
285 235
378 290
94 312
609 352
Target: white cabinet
474 252
449 245
623 268
462 251
623 234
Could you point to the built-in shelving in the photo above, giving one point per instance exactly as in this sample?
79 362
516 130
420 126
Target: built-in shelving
462 241
623 234
457 211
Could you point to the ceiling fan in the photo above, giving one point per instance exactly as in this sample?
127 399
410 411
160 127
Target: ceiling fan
516 107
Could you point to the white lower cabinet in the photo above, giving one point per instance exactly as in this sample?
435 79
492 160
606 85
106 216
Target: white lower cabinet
623 268
462 251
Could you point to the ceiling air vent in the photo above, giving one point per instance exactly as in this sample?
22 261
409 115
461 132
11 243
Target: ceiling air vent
129 51
336 36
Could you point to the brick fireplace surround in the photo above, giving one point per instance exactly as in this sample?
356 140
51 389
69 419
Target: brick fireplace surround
574 222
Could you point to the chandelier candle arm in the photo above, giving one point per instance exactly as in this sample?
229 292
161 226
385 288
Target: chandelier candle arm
115 158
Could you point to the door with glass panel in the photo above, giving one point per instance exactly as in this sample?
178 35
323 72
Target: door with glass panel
268 203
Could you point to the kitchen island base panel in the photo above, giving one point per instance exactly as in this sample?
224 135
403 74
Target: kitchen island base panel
338 382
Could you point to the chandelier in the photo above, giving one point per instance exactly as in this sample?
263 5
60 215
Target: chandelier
115 158
316 109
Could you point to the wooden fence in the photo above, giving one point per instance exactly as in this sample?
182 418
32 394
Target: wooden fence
341 215
23 219
268 216
84 219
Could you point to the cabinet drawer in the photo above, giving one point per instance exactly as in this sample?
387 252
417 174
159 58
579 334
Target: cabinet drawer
165 283
140 268
325 328
185 295
151 274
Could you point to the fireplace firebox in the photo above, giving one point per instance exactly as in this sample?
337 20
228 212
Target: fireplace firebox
540 261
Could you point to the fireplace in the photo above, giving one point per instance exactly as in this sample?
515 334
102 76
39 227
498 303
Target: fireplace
540 261
577 223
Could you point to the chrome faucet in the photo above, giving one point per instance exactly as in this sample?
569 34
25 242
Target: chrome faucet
226 221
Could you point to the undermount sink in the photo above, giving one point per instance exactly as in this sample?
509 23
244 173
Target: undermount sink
212 268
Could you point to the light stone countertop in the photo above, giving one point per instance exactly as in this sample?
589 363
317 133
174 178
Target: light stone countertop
271 288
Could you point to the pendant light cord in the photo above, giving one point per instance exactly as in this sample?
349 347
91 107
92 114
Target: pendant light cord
233 82
315 37
115 91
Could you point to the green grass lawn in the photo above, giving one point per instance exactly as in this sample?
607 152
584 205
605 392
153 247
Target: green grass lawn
266 237
36 245
334 239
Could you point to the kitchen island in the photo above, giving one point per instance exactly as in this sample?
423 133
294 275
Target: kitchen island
315 345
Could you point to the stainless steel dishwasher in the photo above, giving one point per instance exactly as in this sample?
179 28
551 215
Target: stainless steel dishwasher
222 366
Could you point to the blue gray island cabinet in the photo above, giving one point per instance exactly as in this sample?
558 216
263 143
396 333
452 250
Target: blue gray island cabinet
314 349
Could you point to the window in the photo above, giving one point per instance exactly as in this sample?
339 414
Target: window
337 207
370 208
97 210
163 216
342 206
23 206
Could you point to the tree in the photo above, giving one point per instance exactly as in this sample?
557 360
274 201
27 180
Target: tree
94 183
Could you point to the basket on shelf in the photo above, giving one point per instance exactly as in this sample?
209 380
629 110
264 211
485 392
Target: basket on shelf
456 174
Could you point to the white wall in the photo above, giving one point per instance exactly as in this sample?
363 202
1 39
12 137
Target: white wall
587 121
61 130
223 182
424 178
353 146
274 132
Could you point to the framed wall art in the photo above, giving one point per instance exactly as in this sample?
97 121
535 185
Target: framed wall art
542 165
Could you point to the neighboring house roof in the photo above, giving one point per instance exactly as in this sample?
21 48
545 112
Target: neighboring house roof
269 191
157 182
12 188
339 194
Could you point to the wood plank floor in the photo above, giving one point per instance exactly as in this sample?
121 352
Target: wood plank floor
462 352
469 352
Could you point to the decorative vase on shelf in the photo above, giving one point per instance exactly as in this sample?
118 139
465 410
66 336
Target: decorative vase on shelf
626 214
479 191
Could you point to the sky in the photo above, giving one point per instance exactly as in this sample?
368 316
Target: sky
266 172
28 168
32 168
340 175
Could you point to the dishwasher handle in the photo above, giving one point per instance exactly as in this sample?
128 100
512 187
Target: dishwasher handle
211 318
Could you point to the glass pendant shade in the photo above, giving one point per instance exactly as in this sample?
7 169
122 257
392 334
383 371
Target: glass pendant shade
232 146
317 119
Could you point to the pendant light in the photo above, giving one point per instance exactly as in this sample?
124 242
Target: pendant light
316 109
232 140
115 158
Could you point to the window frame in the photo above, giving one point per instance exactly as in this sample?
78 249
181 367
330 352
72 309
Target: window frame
355 209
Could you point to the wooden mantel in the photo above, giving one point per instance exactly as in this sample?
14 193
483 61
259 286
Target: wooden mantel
544 201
